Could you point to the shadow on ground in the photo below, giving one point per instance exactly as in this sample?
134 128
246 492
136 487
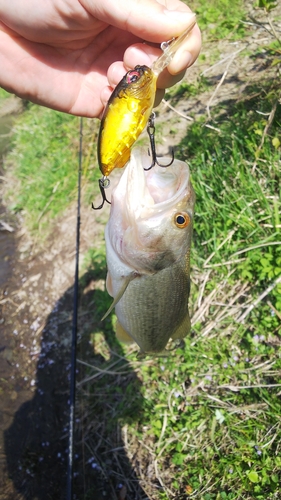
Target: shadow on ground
37 441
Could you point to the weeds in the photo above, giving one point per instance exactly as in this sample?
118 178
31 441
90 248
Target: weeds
208 421
221 19
4 94
44 163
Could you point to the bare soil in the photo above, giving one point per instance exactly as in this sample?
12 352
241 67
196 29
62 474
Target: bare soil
36 324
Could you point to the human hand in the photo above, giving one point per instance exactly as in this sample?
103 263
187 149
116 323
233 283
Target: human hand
69 54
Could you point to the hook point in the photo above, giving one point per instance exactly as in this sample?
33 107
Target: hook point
104 183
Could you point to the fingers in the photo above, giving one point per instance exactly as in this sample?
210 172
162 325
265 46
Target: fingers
141 53
145 53
185 56
187 53
151 20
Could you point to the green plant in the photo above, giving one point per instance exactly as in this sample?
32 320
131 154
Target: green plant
220 19
267 5
4 94
44 163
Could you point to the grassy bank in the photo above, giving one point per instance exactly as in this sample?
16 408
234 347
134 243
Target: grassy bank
43 163
204 423
207 419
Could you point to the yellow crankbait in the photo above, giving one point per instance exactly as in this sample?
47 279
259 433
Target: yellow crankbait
130 106
125 117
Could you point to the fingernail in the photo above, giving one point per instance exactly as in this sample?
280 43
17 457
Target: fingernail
139 54
180 62
183 17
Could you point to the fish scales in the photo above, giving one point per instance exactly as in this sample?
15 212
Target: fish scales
148 240
154 307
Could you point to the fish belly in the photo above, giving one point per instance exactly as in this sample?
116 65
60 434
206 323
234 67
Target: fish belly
154 308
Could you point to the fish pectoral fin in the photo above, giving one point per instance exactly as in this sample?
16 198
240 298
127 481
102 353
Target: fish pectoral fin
121 292
108 284
122 334
183 329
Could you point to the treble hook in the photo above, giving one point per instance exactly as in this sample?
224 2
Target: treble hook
104 183
151 132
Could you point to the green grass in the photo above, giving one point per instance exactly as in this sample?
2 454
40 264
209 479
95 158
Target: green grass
209 415
242 201
212 438
4 94
44 162
220 19
184 90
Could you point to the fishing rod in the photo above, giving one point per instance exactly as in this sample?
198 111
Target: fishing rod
74 330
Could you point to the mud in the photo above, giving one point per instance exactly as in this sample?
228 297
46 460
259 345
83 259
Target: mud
36 306
36 314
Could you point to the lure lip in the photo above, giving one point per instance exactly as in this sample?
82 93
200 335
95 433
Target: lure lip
170 47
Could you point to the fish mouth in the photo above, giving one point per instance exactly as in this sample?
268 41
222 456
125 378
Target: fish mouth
153 191
144 204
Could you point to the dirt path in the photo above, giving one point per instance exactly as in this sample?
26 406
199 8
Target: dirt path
36 312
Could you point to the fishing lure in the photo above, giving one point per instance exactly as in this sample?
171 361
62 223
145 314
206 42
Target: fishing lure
128 111
125 117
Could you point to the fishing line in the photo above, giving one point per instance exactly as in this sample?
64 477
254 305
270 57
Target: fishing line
74 331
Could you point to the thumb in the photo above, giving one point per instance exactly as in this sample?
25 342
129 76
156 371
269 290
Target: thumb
147 19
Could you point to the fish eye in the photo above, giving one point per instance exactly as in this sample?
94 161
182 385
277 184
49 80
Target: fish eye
182 219
132 76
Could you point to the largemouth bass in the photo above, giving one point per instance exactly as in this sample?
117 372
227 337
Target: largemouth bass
130 106
148 238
